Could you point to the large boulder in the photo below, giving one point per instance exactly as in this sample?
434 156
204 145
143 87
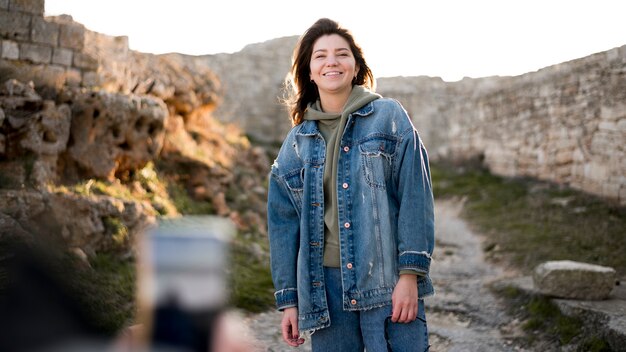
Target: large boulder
113 133
576 280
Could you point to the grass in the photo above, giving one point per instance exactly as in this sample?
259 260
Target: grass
107 291
527 222
99 297
542 320
251 281
184 203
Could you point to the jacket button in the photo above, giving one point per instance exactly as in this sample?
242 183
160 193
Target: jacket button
346 149
353 302
349 266
345 185
346 225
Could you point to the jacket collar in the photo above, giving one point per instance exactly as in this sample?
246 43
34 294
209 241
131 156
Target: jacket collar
309 127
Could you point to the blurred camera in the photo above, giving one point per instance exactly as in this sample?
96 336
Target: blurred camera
183 288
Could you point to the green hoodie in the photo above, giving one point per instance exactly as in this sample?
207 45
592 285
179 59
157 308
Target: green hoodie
331 126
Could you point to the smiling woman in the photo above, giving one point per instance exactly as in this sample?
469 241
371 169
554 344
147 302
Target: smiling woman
350 207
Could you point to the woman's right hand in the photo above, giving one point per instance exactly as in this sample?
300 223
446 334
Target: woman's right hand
289 327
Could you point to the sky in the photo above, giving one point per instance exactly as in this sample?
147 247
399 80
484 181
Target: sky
451 39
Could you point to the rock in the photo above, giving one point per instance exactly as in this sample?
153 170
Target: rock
576 280
219 204
80 255
113 133
48 131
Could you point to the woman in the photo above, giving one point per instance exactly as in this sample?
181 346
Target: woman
350 207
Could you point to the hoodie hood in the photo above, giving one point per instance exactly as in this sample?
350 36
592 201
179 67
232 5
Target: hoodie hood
358 98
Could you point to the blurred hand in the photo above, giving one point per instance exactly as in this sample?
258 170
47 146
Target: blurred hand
289 327
404 299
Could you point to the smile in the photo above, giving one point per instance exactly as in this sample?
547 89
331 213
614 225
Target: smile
332 73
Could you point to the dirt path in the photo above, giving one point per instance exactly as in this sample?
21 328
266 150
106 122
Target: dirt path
462 316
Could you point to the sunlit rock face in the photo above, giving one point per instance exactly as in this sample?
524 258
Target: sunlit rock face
114 133
84 121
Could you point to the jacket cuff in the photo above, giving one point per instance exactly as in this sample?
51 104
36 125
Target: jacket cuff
286 298
412 272
418 262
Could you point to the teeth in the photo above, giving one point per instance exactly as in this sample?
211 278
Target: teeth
332 73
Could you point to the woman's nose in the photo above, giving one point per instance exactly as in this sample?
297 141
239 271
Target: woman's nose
331 60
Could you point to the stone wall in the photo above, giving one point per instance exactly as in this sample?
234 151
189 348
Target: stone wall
49 51
565 123
252 80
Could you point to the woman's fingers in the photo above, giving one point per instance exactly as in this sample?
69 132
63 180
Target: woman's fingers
404 313
404 299
289 327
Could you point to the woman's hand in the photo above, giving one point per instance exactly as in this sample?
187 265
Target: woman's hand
289 326
404 299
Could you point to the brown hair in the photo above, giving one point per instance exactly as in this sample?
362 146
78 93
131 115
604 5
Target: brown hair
303 91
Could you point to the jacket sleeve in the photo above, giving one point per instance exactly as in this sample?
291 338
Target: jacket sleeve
284 236
416 232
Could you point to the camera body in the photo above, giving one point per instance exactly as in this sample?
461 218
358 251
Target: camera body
183 283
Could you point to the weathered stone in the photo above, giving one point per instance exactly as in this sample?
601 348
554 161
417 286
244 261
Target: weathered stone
114 133
35 7
266 64
85 61
62 56
46 76
22 205
92 223
36 53
44 32
72 77
219 204
72 36
91 79
10 50
10 227
569 279
4 4
14 25
48 131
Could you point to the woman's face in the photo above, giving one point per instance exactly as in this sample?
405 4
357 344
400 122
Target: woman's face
332 65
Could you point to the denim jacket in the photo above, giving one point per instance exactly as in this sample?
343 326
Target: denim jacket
385 205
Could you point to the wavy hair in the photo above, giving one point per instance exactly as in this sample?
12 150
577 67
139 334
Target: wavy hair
302 91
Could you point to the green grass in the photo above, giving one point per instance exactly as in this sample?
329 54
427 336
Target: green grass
541 318
107 291
185 204
100 296
251 281
527 222
546 317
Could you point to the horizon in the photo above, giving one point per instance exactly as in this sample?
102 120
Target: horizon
449 39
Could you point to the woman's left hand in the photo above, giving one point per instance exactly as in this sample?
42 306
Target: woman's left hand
404 299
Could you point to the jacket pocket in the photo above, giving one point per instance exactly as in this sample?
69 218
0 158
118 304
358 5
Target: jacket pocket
295 183
376 156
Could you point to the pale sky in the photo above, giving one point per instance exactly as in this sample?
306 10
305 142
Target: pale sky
446 38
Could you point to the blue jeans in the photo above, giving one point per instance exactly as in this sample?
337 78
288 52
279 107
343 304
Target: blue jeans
370 329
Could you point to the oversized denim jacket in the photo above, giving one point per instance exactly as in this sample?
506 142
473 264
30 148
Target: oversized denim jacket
385 204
